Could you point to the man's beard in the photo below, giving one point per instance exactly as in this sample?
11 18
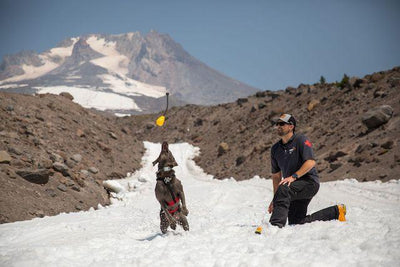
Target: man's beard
282 132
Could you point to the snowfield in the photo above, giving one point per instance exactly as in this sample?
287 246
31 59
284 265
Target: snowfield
223 216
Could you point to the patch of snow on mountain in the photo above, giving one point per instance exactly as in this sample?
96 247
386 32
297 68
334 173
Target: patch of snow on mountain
112 60
89 98
33 72
62 52
125 85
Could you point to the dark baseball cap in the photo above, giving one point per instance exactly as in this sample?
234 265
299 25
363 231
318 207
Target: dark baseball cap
288 118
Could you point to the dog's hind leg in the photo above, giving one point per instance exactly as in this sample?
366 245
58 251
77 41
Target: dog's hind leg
183 222
164 223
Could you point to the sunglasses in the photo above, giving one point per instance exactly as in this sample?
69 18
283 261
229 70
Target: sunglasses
281 123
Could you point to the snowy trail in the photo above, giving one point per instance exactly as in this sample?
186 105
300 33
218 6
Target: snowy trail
223 216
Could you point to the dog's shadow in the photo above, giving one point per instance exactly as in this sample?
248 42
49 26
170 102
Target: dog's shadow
152 237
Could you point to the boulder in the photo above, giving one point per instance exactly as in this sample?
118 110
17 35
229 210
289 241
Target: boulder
312 104
241 101
77 158
61 167
40 176
93 170
377 116
240 160
222 148
67 95
4 157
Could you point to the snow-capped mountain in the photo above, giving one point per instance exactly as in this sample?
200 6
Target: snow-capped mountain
126 73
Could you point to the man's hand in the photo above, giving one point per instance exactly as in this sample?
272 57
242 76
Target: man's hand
287 180
271 207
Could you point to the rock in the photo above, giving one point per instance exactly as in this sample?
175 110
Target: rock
14 151
93 170
198 122
312 104
39 117
222 148
253 109
67 95
84 173
261 94
104 147
291 90
77 158
115 175
51 192
40 176
261 105
240 160
335 166
377 116
362 148
113 136
70 163
379 93
241 101
62 168
333 156
125 130
80 133
45 163
376 77
78 207
10 108
4 157
76 188
56 158
62 187
388 144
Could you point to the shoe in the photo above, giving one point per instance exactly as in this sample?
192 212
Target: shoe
342 212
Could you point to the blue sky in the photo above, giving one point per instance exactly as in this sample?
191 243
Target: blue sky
266 44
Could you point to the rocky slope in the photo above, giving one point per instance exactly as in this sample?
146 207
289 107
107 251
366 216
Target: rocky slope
54 154
235 139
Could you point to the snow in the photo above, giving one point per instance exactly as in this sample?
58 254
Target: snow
12 85
112 60
127 86
32 72
90 98
223 217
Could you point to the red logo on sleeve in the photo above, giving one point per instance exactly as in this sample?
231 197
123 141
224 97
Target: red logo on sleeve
308 143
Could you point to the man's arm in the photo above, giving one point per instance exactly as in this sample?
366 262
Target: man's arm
276 178
306 167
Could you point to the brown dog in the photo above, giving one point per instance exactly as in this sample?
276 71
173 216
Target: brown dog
169 192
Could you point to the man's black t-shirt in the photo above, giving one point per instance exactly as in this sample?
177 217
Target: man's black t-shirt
289 157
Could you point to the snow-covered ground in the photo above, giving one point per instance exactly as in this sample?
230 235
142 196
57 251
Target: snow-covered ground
88 98
223 216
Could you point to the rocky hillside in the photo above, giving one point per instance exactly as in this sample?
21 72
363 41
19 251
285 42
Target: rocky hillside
54 154
354 127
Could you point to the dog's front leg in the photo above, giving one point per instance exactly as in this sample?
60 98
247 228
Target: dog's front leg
185 211
170 218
